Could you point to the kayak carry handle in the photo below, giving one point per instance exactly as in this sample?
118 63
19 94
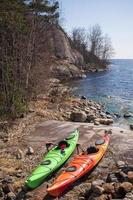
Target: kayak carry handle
108 132
78 146
48 144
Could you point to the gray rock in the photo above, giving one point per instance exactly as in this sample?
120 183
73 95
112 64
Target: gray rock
106 121
11 196
96 123
129 196
131 126
81 198
98 182
19 154
103 197
123 176
30 151
97 189
112 178
1 193
120 164
127 115
7 179
90 117
78 116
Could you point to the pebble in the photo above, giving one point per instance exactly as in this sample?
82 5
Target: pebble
97 189
130 176
112 178
97 182
120 164
19 154
7 179
109 188
1 193
96 123
30 151
11 196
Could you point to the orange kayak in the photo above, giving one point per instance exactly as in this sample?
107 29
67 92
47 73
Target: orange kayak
79 166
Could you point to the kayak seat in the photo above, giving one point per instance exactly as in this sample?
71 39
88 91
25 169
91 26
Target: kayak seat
92 149
63 144
100 142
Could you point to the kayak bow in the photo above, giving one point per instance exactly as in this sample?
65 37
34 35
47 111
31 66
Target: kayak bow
78 167
54 159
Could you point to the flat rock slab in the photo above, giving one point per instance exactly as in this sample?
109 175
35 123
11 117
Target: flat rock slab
120 148
121 139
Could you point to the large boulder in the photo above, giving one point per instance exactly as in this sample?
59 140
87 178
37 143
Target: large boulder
63 70
62 49
106 121
78 116
67 62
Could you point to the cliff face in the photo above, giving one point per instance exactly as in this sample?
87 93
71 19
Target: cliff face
68 62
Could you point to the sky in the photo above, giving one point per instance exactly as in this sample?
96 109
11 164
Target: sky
114 16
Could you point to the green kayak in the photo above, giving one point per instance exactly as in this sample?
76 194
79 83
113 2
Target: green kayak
54 159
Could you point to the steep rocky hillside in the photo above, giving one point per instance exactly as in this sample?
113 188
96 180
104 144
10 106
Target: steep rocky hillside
67 62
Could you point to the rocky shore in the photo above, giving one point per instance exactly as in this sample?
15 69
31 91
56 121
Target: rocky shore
18 157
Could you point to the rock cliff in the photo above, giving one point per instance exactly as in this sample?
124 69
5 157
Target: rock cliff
68 62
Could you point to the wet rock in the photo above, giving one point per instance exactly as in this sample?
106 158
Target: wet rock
131 126
124 188
120 164
103 115
11 196
127 115
109 188
117 115
78 116
30 151
130 176
83 97
106 121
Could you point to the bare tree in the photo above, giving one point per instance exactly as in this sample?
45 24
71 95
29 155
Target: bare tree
95 40
107 50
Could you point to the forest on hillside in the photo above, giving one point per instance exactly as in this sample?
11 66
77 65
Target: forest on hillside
25 50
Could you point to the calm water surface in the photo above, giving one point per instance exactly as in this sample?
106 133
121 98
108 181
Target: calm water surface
113 88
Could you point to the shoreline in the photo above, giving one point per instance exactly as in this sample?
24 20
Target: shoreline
21 138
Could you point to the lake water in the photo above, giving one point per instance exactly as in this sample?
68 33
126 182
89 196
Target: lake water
113 88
